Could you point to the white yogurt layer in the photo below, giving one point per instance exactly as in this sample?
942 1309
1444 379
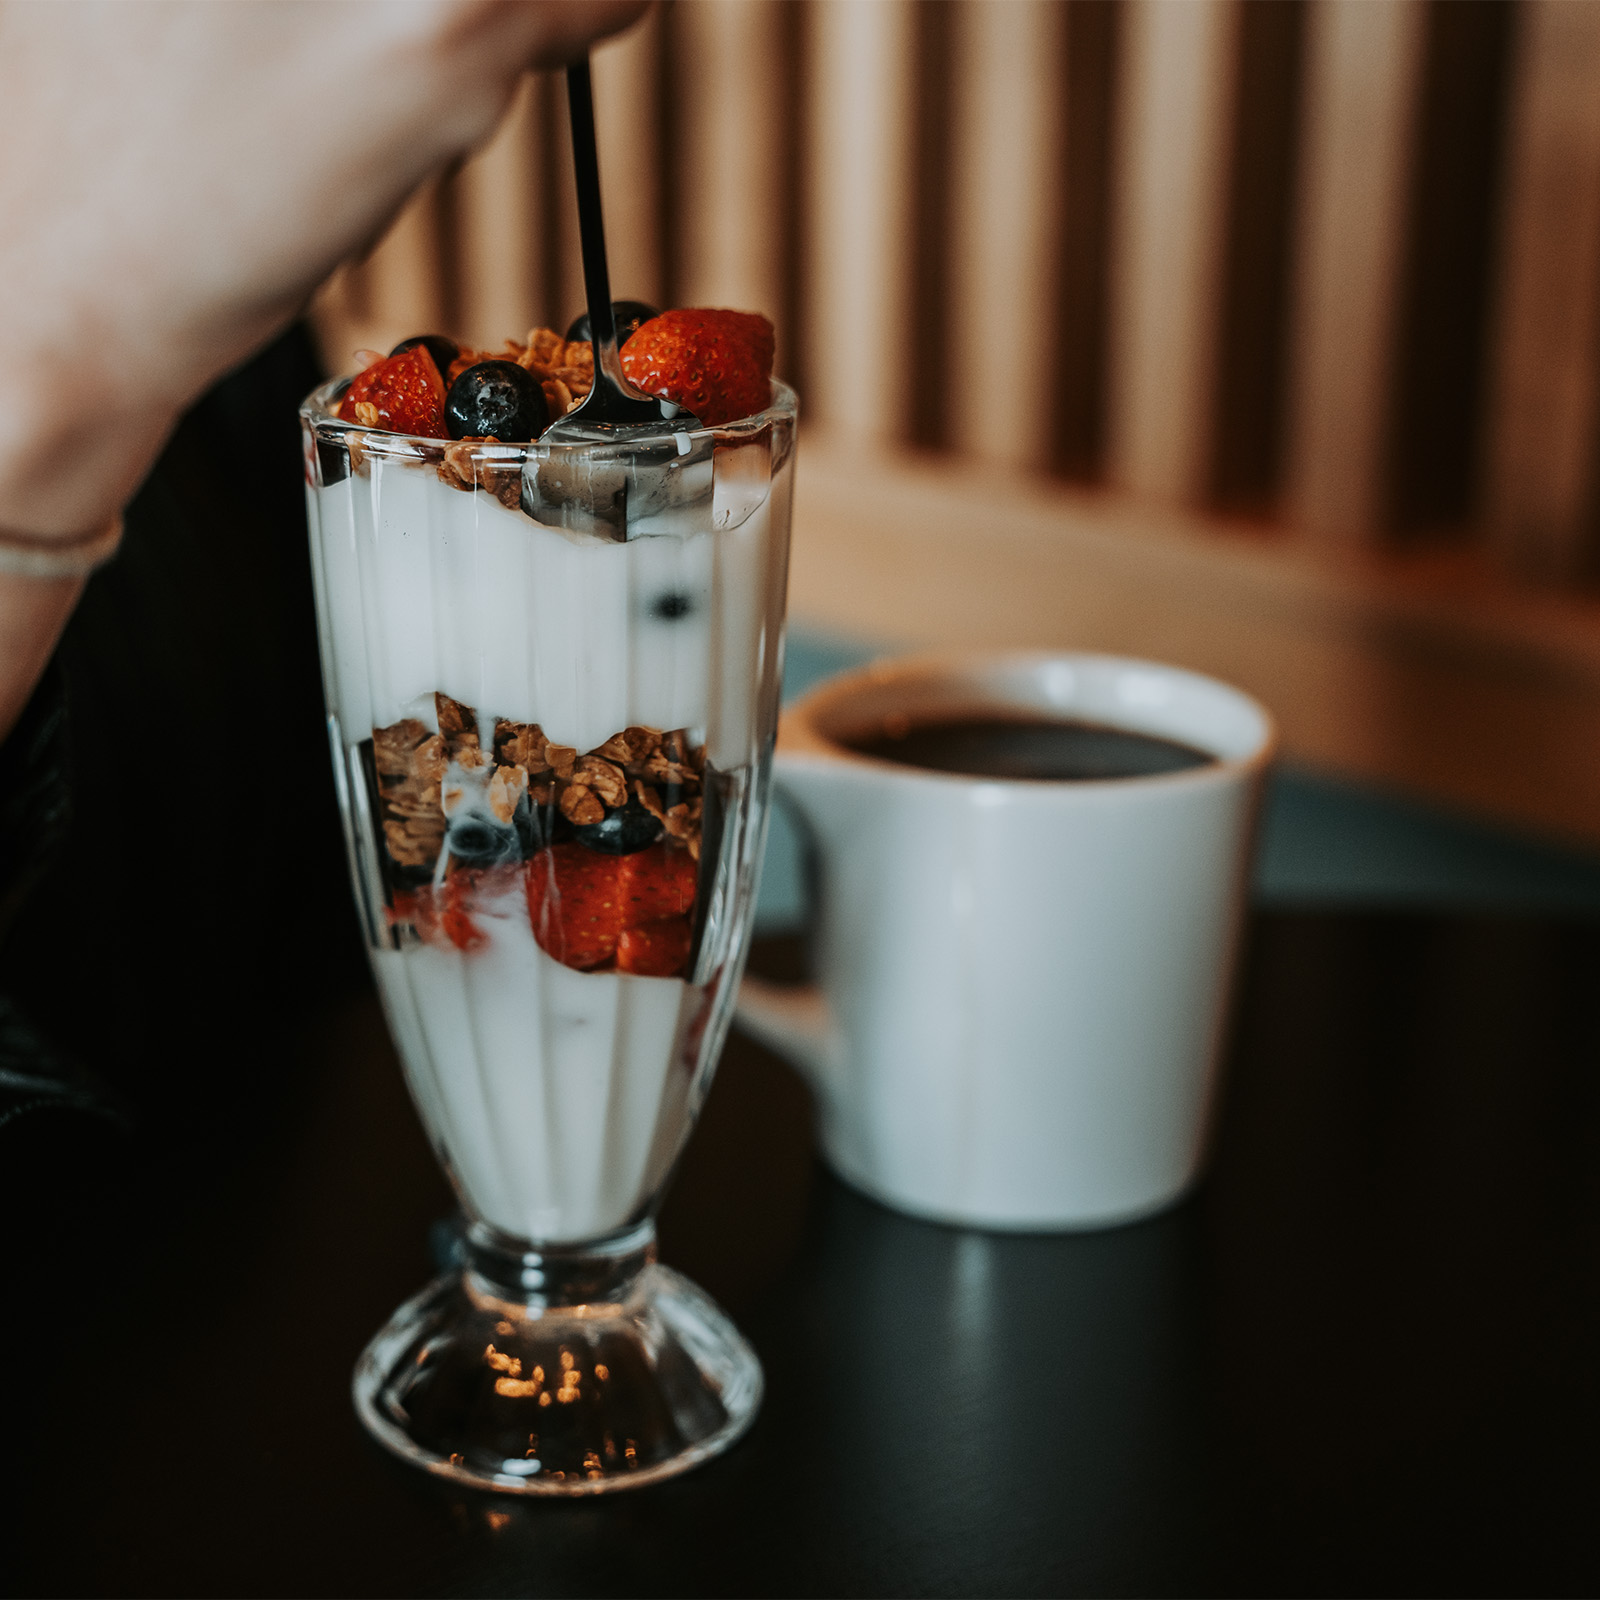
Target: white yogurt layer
559 1098
425 587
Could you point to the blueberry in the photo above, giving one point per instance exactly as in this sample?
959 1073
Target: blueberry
482 841
443 350
629 315
621 831
670 606
498 399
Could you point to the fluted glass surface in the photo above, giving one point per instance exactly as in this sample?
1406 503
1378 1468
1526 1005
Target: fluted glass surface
552 737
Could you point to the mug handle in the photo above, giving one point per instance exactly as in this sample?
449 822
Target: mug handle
791 1020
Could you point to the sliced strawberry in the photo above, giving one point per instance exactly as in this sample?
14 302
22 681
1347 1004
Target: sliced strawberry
456 918
717 364
443 914
656 949
575 904
658 882
402 393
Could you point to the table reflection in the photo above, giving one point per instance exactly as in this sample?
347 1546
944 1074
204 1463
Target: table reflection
936 1396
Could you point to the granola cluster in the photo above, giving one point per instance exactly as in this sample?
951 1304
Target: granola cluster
467 465
410 764
658 770
541 790
413 766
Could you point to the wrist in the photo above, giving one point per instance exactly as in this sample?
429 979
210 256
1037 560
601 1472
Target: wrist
76 438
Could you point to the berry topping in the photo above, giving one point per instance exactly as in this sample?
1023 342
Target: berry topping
496 400
443 350
402 393
655 949
630 316
716 364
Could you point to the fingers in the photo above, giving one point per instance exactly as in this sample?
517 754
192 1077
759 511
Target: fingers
568 28
189 173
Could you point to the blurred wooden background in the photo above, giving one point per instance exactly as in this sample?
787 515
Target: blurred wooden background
1259 335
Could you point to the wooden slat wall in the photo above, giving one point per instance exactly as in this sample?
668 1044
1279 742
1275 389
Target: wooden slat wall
857 246
1005 202
729 169
1362 67
1547 399
767 155
1166 249
1202 254
628 120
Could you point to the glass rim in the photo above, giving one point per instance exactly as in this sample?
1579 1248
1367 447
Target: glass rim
783 407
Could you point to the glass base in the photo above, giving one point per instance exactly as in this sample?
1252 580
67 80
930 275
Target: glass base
571 1372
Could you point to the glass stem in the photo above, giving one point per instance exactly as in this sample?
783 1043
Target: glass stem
540 1277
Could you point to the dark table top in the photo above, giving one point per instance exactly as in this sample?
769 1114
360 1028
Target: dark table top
1361 1358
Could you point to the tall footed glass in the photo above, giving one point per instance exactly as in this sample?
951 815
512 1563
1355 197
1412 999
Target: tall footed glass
552 682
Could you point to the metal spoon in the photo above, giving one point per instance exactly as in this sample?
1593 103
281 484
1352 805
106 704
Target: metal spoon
571 479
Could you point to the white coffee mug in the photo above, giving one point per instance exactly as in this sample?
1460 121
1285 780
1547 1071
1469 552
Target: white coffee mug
1022 983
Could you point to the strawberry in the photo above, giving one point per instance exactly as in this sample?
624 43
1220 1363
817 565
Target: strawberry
717 364
656 949
658 882
402 393
575 904
757 332
585 907
443 913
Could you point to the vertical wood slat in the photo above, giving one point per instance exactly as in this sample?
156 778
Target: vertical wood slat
1090 50
626 120
1545 414
1439 395
1363 66
932 363
563 296
1168 243
401 282
729 155
500 267
856 215
1003 225
1253 304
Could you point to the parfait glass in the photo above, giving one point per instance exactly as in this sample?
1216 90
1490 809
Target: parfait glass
552 733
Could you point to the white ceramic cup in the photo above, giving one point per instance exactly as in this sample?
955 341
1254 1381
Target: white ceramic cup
1022 984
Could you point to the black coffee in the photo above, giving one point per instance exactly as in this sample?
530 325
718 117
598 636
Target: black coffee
1026 747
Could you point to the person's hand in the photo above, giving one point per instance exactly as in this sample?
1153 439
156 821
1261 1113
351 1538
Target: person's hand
175 179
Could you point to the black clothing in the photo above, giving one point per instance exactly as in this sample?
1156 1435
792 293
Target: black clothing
172 880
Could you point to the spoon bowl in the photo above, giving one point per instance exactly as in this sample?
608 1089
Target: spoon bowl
567 482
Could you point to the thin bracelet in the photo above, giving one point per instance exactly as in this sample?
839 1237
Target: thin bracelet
22 557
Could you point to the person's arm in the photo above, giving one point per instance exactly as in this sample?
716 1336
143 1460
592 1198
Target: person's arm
175 180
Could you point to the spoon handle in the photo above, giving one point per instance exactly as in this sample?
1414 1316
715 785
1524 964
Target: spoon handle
591 220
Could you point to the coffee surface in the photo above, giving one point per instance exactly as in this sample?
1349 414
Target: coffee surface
1026 747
